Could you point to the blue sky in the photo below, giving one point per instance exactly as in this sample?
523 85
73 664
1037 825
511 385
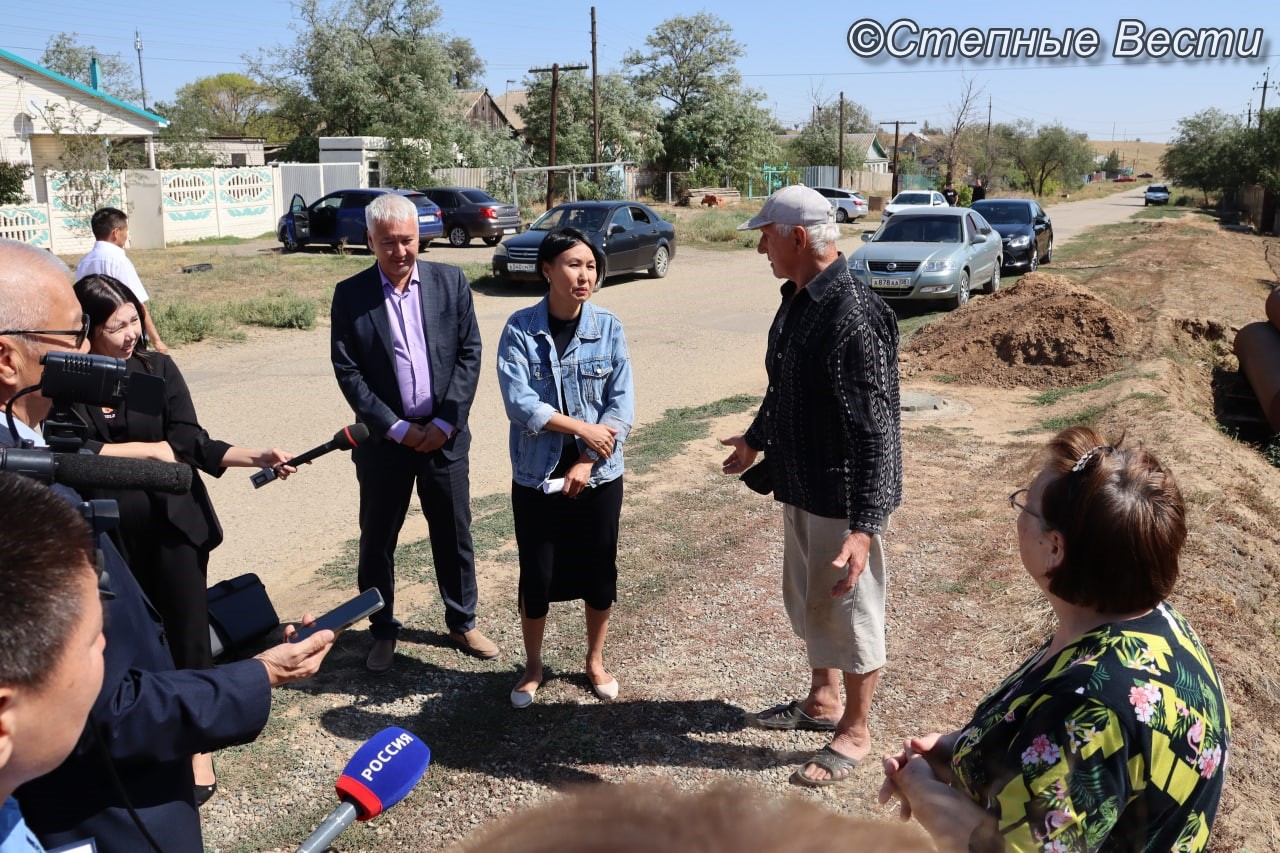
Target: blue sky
793 52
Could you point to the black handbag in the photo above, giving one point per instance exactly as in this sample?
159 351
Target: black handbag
759 477
240 612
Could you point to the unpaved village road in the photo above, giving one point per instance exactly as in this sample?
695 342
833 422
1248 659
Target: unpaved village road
696 336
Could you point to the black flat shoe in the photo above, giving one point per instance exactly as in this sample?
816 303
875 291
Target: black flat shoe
204 793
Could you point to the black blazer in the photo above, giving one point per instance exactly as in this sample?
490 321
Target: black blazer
364 358
176 423
151 718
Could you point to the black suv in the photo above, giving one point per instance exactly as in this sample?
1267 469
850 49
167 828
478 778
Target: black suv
469 212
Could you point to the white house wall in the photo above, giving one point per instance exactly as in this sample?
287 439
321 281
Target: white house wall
29 101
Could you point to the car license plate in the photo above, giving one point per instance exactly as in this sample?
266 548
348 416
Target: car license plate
891 283
508 230
520 267
430 217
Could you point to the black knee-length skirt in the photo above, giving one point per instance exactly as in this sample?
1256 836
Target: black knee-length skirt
568 546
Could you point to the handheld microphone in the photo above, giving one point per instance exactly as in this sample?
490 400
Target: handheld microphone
86 470
344 439
377 777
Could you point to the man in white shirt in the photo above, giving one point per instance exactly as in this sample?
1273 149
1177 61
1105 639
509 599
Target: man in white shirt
107 257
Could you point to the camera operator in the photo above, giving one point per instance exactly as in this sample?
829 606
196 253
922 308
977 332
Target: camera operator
128 784
50 640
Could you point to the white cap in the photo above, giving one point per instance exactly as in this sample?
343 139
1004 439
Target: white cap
795 205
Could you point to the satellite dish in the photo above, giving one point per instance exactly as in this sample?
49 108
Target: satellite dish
35 106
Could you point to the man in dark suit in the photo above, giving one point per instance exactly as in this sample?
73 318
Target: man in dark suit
406 351
129 777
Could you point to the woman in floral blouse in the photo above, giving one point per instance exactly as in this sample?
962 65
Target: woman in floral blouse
1114 734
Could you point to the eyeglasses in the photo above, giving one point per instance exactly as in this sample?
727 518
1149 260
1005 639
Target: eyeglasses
1015 501
80 334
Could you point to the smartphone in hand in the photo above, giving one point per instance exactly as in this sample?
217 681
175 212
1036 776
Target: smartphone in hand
344 615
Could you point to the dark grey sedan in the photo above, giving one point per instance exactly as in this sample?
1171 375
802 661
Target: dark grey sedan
1026 231
632 236
469 212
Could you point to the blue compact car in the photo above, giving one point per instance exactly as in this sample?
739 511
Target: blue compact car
338 219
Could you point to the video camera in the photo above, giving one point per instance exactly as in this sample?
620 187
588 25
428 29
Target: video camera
95 380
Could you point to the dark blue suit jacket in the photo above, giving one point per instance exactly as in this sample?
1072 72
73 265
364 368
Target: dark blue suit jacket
152 719
364 357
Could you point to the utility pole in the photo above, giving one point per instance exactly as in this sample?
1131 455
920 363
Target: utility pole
555 70
595 98
986 173
142 83
840 130
897 127
1262 106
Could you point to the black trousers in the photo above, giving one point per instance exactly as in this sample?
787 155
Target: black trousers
388 474
174 575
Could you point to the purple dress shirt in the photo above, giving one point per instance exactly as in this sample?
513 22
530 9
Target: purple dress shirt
412 363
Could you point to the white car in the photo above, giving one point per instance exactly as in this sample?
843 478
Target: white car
914 198
850 205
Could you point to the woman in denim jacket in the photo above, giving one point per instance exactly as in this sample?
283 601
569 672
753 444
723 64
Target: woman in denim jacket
566 383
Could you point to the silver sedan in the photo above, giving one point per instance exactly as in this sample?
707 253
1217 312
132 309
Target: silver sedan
930 253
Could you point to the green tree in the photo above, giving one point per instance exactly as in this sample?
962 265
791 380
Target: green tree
1047 155
628 123
690 63
1111 165
466 68
70 58
228 104
370 68
13 177
1266 150
819 140
1208 153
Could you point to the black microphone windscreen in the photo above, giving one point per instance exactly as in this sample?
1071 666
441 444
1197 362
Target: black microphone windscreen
351 436
113 472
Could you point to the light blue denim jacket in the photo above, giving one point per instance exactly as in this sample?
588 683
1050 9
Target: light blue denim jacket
595 375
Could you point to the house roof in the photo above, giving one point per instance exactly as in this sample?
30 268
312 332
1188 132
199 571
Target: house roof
868 143
467 98
88 90
507 102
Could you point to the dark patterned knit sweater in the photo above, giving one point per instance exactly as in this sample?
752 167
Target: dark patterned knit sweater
829 423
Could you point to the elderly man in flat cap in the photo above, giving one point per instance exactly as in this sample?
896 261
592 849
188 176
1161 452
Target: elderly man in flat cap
829 431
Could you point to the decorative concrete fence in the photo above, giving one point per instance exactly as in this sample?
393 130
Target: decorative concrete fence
199 203
164 207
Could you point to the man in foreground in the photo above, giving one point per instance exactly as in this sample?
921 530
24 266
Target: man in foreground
406 352
50 640
128 782
829 428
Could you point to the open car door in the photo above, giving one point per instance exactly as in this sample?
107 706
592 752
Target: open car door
301 219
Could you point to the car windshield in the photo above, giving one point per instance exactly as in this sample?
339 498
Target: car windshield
582 218
422 202
1157 188
1005 214
920 229
911 198
478 196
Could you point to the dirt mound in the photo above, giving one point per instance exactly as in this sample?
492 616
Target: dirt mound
1042 332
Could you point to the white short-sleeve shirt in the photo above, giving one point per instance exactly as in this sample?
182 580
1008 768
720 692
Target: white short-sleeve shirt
109 259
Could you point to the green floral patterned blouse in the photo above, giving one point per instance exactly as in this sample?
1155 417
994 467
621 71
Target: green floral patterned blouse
1117 743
